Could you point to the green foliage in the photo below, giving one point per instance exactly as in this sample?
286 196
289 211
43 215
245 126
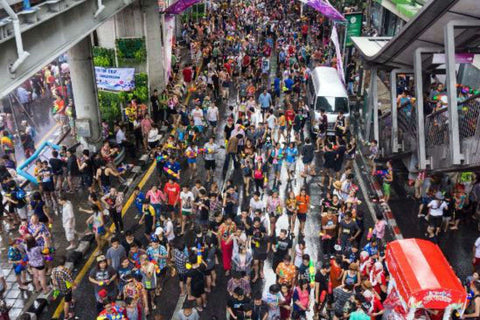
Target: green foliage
131 50
111 102
103 57
110 106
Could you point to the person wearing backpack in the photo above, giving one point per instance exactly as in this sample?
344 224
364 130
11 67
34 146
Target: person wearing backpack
16 202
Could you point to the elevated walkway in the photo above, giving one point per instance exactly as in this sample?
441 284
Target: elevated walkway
448 139
47 30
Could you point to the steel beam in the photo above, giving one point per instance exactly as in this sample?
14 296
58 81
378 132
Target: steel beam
370 103
456 156
394 113
376 134
417 62
52 37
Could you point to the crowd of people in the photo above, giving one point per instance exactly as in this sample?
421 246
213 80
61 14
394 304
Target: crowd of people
231 194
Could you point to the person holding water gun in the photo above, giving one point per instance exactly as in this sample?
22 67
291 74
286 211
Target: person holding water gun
192 153
64 285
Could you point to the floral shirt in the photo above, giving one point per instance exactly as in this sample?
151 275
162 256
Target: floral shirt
155 253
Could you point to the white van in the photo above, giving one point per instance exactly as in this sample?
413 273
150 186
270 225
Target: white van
325 90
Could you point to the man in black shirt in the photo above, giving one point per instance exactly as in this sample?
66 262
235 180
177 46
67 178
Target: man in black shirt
155 106
244 220
57 166
237 305
281 244
259 308
321 286
329 156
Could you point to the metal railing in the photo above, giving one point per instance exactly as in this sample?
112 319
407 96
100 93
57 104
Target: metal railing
407 130
437 126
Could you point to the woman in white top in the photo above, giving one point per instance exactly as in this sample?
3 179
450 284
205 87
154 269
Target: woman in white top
153 137
435 211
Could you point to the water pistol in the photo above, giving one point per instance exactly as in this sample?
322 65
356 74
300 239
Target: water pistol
311 271
170 172
369 234
199 253
381 173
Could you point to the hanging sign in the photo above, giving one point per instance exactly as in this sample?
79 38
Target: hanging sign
115 79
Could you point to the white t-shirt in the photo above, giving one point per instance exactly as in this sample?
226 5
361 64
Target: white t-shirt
271 121
477 248
187 201
212 114
168 227
197 115
437 207
256 204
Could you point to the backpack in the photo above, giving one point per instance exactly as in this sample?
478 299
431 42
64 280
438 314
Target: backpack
20 194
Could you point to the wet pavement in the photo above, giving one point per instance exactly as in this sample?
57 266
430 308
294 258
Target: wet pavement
456 245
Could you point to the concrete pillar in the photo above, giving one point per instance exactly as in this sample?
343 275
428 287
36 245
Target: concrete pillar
82 73
154 41
418 73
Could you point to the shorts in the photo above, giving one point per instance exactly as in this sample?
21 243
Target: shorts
435 222
191 160
48 186
277 167
182 277
291 166
210 165
39 268
290 213
328 172
68 296
197 292
386 189
186 213
302 217
213 123
18 268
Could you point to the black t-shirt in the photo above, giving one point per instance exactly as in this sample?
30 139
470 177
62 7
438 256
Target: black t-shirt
304 272
329 157
322 279
155 103
259 239
57 165
239 222
348 229
238 306
203 211
198 277
228 131
282 246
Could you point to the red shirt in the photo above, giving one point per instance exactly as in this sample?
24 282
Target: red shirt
304 29
173 191
290 115
187 74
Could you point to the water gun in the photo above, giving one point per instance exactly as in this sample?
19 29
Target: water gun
381 173
161 158
55 294
155 262
170 172
369 234
191 154
311 271
199 253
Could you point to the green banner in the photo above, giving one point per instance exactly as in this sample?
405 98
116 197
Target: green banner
354 26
